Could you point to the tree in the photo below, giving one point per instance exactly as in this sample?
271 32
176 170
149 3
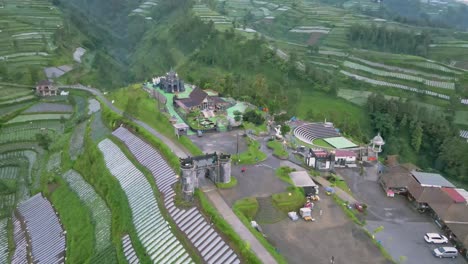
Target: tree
253 117
285 129
44 140
237 116
416 136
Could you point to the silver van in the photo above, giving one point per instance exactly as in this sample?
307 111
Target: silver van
445 252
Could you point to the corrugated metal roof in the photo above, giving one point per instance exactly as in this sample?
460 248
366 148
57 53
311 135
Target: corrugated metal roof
302 179
431 179
455 195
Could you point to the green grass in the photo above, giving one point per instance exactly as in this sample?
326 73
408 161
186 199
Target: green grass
247 206
141 106
32 117
278 149
283 174
384 252
246 209
253 154
228 185
256 129
291 200
461 118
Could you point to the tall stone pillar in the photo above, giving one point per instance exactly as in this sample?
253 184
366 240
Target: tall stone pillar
225 168
188 179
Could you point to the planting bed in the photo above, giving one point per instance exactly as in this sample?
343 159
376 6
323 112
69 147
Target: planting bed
49 108
153 231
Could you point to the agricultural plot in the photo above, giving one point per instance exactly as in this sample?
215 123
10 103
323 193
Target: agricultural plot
3 240
206 14
144 9
54 161
7 110
152 230
17 100
438 67
198 230
99 131
17 157
46 235
77 141
32 117
28 38
24 135
461 118
394 85
93 106
49 108
437 84
129 251
8 172
403 70
55 125
100 214
19 236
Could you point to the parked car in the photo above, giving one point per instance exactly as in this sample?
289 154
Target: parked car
445 252
435 238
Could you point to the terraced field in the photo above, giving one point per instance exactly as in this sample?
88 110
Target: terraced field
160 243
101 215
34 117
26 36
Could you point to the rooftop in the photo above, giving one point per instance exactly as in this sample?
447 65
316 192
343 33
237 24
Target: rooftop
302 179
431 179
340 142
344 153
455 195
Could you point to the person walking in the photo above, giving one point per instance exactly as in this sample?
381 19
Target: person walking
332 260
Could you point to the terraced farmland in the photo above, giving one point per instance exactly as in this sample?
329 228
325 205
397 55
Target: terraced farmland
3 240
34 117
145 8
49 108
152 230
394 85
26 35
211 246
437 84
100 214
46 235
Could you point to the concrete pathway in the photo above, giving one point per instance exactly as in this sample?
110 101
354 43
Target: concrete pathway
239 227
339 192
213 194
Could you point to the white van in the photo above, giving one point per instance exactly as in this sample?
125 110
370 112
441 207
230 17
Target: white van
445 252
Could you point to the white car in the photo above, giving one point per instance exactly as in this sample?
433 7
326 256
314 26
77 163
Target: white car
435 238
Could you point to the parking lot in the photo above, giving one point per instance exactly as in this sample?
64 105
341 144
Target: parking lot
333 234
404 227
225 142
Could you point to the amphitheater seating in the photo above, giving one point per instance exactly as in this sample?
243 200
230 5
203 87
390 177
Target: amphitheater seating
47 238
199 231
309 132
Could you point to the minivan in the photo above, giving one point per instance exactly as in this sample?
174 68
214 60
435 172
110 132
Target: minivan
445 252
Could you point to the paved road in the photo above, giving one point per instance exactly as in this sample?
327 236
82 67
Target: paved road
213 195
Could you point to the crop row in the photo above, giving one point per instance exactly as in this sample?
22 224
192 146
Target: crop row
3 240
49 107
23 135
77 141
40 124
100 214
404 70
438 84
32 117
394 85
152 229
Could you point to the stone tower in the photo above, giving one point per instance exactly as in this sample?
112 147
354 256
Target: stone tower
189 178
224 168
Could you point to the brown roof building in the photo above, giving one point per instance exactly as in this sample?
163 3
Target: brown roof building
199 99
46 88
